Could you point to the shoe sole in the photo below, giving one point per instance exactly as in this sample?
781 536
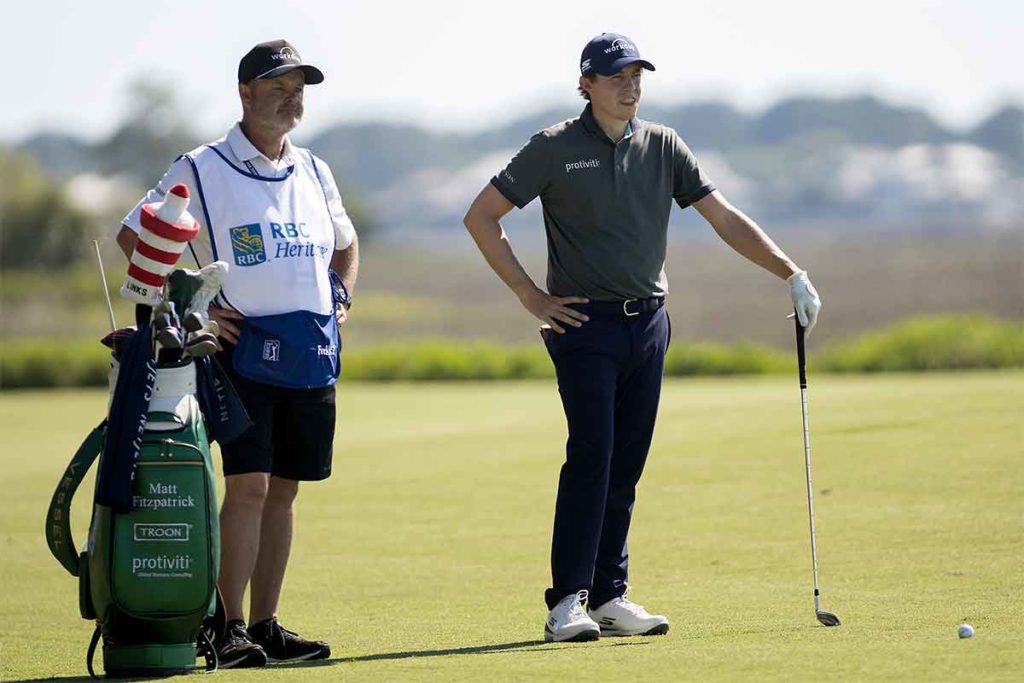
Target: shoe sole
659 630
584 636
320 654
248 661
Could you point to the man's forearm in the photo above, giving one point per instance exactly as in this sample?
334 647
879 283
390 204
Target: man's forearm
126 239
750 241
493 243
345 263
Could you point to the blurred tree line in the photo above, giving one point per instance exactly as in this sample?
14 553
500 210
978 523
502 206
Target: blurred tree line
41 224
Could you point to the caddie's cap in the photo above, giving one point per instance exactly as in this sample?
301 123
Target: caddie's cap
273 58
608 53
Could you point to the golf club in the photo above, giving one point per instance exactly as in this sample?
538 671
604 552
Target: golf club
826 618
103 281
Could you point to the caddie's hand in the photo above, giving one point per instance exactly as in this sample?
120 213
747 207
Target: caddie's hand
805 300
553 310
340 314
229 321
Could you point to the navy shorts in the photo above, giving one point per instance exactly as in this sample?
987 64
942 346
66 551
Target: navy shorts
292 436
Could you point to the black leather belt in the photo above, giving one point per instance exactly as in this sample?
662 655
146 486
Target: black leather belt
627 308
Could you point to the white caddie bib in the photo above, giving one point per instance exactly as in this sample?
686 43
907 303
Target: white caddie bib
275 233
278 238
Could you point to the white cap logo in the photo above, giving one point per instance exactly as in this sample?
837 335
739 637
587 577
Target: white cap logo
286 53
620 44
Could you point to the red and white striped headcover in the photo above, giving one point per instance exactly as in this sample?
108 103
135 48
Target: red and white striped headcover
167 227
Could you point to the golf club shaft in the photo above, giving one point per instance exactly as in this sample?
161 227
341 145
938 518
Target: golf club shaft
103 280
801 362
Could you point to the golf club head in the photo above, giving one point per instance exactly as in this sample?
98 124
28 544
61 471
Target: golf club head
193 322
827 618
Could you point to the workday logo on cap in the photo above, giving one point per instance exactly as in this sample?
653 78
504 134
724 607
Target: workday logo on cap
609 53
623 45
286 54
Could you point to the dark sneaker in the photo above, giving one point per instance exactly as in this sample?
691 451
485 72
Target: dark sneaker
236 649
282 645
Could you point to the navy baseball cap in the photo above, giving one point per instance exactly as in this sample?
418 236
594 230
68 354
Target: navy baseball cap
608 53
274 58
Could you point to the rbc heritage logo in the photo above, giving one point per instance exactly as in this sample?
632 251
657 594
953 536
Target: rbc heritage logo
247 244
272 350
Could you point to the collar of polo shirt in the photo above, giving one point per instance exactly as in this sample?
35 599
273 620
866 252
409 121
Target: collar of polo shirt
591 124
243 148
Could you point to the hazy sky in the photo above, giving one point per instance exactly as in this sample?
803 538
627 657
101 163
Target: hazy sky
451 63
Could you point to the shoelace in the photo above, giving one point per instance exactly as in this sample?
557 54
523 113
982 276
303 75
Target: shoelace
280 633
631 607
576 608
236 631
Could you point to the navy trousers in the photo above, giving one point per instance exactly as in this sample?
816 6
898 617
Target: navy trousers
609 377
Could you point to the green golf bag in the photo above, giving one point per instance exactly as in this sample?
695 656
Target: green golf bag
147 575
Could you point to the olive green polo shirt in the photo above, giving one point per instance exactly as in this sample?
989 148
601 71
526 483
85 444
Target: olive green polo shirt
606 204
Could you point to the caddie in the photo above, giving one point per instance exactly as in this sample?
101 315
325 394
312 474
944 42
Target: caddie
273 212
606 181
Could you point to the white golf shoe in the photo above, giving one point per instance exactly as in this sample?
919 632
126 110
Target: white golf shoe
568 621
620 617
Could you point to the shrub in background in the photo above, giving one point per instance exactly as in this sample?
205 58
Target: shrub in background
930 343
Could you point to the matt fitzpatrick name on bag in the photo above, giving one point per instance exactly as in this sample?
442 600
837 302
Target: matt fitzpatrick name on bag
164 501
578 165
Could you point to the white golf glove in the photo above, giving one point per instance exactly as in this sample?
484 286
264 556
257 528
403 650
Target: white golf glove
805 300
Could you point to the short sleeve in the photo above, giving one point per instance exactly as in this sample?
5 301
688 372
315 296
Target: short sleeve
689 184
344 230
179 172
527 174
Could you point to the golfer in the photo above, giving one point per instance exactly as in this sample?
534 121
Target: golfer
273 212
606 181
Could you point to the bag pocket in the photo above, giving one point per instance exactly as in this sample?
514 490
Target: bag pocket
297 350
162 559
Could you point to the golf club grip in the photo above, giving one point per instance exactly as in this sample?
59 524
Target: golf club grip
801 357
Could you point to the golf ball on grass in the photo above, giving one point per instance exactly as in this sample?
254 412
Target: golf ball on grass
965 630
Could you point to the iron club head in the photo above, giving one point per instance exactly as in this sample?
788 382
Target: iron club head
827 618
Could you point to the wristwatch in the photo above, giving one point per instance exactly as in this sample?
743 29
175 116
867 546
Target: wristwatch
341 294
344 298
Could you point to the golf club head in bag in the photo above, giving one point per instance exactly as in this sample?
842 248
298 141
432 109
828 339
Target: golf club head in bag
824 618
193 291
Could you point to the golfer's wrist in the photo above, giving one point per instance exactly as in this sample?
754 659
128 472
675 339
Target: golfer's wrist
525 290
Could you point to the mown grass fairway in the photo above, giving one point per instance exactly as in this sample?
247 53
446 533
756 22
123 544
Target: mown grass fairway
425 556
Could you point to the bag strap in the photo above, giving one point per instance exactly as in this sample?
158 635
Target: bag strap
208 651
58 516
92 652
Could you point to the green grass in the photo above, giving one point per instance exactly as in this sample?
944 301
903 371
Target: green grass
425 556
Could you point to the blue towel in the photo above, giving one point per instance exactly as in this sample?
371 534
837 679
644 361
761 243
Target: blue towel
126 422
223 411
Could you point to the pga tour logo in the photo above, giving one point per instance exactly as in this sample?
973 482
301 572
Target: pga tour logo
272 350
161 532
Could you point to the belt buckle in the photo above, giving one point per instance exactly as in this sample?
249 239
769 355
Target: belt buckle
625 308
